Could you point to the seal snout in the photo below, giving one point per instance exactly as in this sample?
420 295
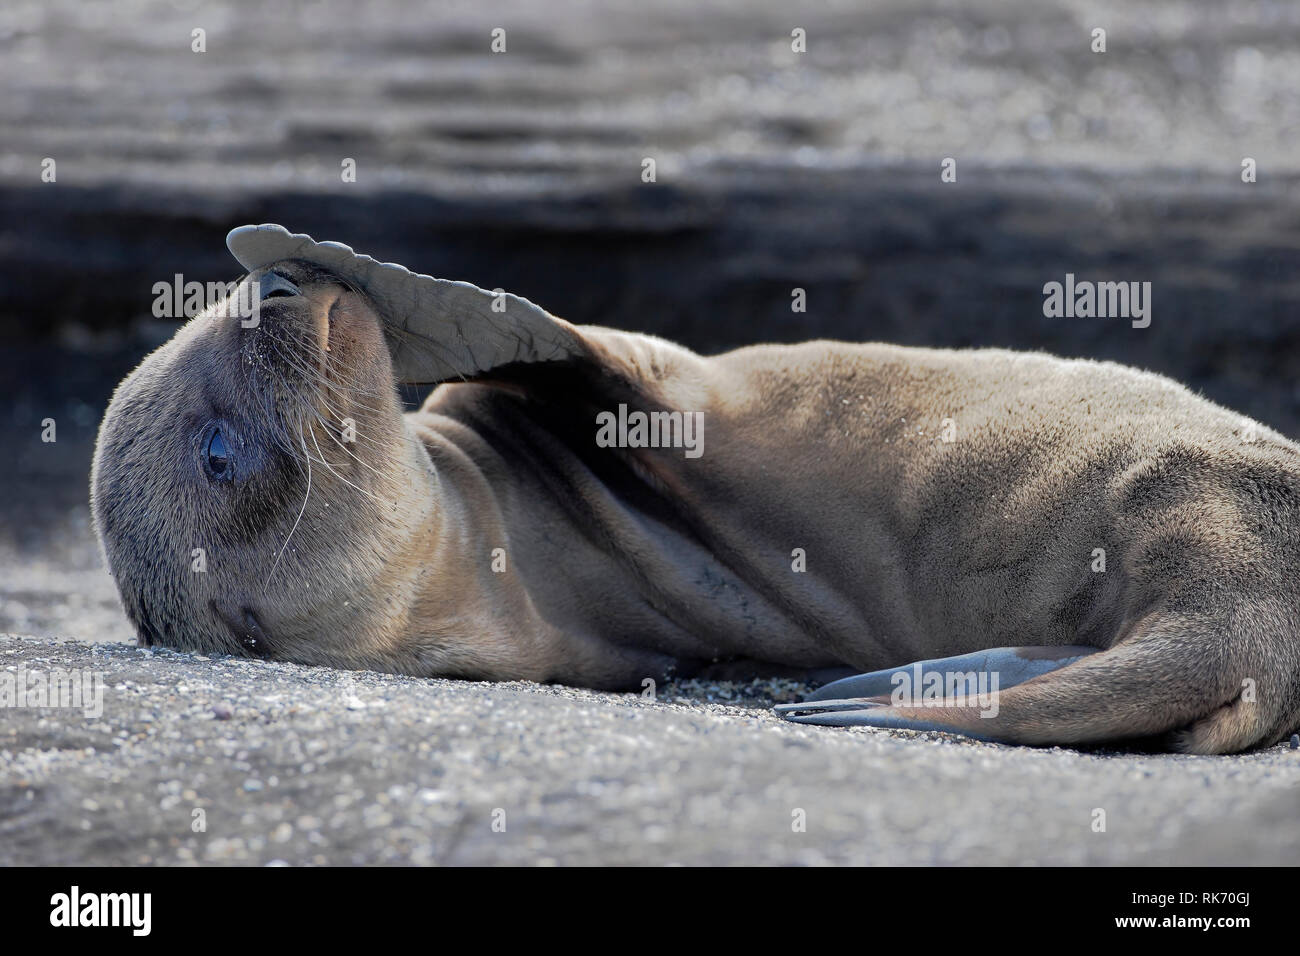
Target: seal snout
303 297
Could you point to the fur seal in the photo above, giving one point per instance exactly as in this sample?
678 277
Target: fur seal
1075 552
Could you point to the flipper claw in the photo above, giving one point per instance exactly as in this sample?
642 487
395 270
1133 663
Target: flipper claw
811 706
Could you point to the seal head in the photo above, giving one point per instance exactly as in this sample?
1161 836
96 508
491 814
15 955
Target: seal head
254 488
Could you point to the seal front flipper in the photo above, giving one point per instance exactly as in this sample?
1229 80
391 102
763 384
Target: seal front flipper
437 330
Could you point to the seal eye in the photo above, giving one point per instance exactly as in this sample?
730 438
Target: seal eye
217 458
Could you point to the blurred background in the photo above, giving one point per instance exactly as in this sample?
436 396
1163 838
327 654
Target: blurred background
775 170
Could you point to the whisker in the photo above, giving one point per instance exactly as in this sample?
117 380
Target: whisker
330 407
301 511
332 471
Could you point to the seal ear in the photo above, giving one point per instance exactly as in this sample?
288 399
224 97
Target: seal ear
436 329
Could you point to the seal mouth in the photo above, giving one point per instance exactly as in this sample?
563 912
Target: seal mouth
330 372
325 322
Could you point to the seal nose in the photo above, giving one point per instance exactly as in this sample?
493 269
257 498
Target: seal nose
273 285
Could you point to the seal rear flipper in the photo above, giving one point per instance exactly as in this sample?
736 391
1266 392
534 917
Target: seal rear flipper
1148 685
1013 665
865 699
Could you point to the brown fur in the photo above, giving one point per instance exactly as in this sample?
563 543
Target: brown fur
626 564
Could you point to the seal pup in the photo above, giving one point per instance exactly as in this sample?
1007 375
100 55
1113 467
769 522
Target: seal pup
1074 551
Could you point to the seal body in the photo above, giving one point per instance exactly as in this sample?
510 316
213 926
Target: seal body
837 506
870 505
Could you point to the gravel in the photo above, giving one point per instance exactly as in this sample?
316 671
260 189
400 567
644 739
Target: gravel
199 760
